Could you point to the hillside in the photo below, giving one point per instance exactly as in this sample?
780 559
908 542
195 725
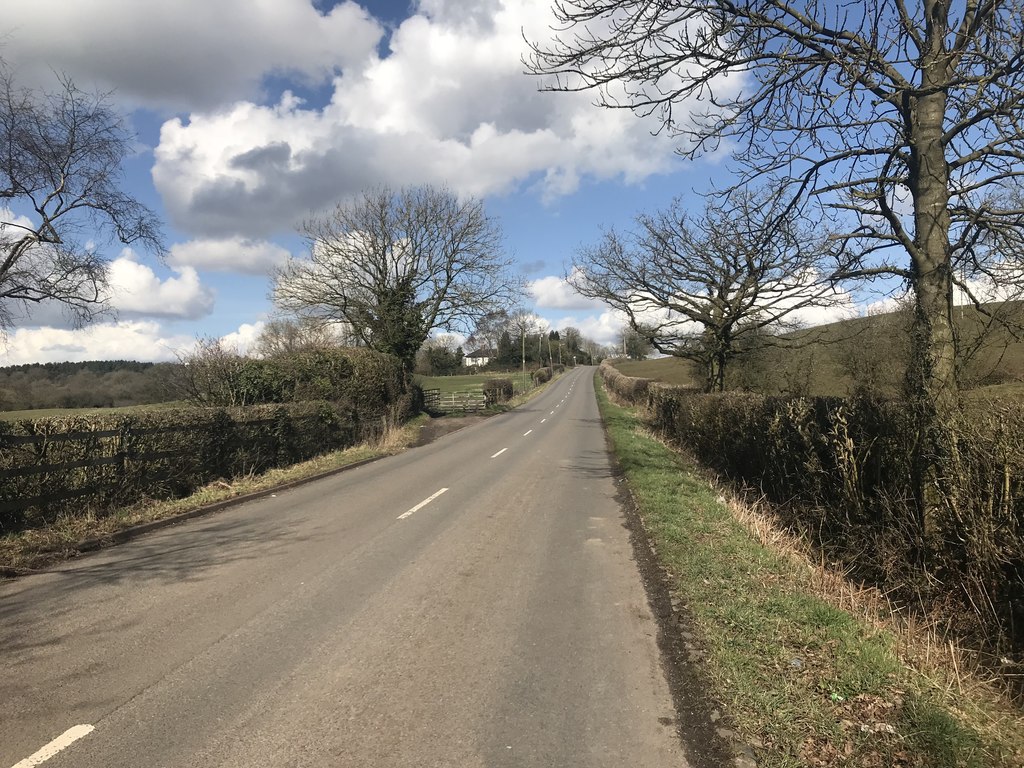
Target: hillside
866 352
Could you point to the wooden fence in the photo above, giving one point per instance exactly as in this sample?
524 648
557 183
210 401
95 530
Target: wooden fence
464 401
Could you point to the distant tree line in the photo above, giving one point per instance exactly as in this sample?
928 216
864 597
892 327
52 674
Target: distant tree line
90 384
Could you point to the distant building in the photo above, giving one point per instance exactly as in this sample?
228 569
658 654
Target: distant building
480 357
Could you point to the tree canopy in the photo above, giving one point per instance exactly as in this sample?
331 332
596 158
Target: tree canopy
395 265
698 286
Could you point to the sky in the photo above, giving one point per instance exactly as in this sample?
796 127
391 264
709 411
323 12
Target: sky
252 115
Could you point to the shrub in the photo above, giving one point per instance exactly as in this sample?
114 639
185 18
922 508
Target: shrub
628 388
841 472
498 390
541 375
368 381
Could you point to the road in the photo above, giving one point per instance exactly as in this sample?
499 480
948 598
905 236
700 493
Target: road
473 602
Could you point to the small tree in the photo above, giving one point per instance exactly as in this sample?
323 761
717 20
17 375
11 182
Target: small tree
60 157
506 350
696 287
636 344
394 266
440 356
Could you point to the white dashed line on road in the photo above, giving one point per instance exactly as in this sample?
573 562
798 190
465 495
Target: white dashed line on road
542 421
527 432
62 742
421 505
499 453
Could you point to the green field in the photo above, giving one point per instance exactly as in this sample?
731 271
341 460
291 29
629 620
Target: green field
472 381
47 413
872 352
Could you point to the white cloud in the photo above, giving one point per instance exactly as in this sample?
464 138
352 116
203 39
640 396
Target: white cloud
136 291
553 292
126 340
242 340
449 105
191 54
603 328
235 254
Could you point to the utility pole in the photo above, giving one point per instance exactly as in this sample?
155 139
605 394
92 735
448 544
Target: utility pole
523 329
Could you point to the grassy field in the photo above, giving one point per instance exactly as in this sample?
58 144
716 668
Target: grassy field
871 351
671 370
472 381
45 413
811 670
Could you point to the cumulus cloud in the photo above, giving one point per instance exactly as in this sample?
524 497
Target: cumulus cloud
137 291
234 254
243 339
141 340
449 105
189 54
553 292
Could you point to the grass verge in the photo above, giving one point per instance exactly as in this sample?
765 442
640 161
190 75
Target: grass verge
30 550
808 667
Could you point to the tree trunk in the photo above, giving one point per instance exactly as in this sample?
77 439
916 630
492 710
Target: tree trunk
931 377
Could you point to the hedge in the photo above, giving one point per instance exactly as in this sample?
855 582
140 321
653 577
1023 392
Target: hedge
97 463
498 390
841 472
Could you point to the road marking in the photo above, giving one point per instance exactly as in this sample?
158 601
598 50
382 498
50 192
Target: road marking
65 740
499 453
421 505
527 432
551 414
542 421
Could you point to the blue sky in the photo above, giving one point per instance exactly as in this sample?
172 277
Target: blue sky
252 115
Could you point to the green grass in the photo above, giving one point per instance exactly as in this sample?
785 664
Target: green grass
671 370
472 381
812 684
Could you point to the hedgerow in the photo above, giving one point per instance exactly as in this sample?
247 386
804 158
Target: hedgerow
841 471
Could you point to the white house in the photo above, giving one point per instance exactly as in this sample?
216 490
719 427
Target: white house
480 357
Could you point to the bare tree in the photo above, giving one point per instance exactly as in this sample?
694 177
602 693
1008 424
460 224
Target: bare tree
489 329
698 287
60 166
902 118
286 335
396 265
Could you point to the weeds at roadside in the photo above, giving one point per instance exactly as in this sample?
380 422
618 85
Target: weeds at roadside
810 668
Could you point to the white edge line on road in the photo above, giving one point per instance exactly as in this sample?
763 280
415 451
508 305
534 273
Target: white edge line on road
65 740
499 453
527 432
422 504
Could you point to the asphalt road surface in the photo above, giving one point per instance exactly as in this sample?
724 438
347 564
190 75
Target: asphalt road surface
473 602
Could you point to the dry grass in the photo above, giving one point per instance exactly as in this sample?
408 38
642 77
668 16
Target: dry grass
954 674
30 550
